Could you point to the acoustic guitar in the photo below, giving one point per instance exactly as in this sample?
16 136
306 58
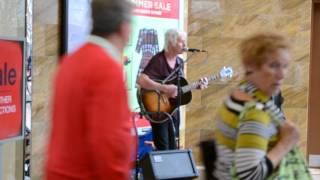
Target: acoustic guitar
158 107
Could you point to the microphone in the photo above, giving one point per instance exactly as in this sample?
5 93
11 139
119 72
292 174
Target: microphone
194 50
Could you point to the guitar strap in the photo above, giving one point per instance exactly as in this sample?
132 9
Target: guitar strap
179 68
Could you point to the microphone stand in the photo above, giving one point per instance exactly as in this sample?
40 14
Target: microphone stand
178 72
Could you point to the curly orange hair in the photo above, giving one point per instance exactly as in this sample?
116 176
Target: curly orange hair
255 49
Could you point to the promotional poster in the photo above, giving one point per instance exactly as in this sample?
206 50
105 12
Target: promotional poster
11 85
152 18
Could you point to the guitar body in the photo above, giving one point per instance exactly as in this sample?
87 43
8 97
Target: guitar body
158 106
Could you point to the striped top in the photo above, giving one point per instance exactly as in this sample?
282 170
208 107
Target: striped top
246 129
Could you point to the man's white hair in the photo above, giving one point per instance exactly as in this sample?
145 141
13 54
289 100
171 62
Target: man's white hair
171 37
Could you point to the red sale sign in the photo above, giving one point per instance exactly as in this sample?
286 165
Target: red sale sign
11 85
157 8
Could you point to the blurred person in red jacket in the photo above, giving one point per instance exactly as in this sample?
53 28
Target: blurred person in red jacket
91 128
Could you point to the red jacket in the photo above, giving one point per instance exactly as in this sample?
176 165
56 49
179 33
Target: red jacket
90 136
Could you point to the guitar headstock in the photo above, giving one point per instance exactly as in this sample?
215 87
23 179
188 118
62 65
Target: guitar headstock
226 72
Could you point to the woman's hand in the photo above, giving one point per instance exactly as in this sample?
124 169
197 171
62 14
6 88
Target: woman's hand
289 137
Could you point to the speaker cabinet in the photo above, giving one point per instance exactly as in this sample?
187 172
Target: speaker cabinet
169 164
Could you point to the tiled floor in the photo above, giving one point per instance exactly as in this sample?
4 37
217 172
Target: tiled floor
315 173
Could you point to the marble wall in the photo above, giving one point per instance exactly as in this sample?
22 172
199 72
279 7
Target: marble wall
218 26
46 36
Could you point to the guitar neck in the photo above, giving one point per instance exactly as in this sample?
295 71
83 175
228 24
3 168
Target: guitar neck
196 84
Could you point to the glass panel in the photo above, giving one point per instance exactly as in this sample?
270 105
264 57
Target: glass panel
12 18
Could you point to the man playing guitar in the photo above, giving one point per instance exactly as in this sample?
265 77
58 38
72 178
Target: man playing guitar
159 68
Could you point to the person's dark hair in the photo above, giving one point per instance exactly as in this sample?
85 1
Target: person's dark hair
107 15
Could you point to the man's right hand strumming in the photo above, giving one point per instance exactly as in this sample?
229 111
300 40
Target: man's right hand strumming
170 90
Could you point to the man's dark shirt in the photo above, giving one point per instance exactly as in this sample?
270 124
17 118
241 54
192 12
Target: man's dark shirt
158 68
